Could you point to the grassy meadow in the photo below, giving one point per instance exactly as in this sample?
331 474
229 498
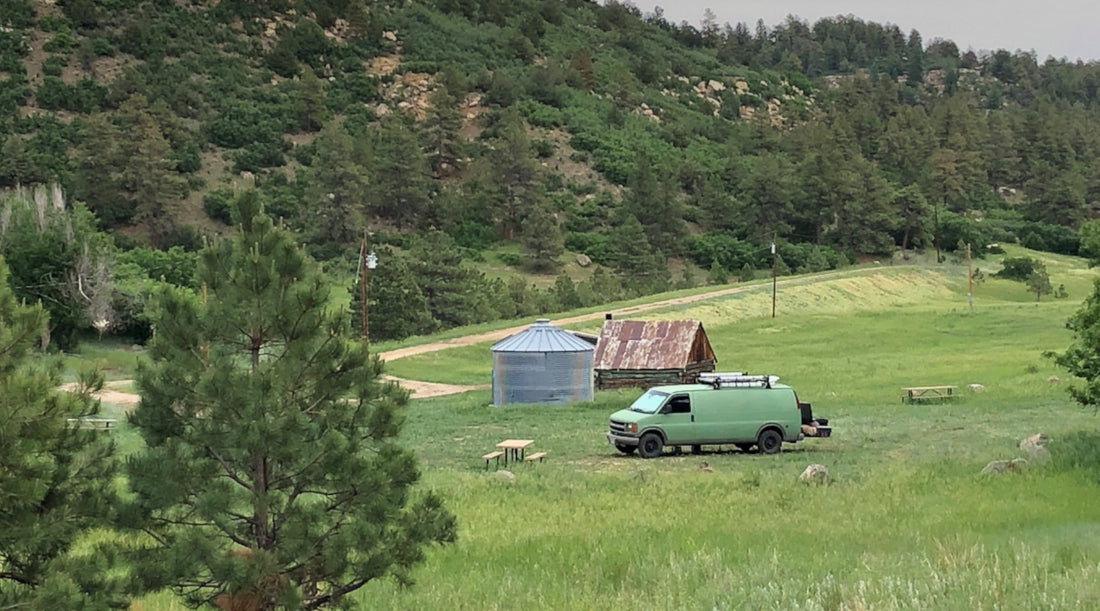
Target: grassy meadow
907 521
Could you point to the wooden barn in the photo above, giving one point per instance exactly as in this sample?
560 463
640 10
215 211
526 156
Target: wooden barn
646 353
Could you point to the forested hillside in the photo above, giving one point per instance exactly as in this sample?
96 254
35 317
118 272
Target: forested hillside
594 144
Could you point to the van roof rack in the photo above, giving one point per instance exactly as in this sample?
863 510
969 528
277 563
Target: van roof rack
737 379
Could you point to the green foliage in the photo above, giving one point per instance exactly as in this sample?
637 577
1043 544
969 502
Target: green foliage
1080 358
56 479
1038 281
286 448
47 260
1018 268
1089 237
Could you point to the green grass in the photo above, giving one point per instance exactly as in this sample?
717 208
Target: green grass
117 359
906 523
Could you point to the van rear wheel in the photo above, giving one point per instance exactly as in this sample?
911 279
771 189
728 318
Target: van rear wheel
650 445
625 449
769 441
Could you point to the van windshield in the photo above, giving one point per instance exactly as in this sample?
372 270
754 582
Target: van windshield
650 402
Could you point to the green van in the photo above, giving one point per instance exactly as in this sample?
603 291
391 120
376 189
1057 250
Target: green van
742 410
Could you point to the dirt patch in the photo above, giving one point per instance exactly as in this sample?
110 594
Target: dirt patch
422 390
111 394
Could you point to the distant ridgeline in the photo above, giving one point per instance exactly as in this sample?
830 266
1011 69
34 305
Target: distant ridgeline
611 150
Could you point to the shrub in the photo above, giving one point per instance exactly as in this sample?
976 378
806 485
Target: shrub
216 204
1017 268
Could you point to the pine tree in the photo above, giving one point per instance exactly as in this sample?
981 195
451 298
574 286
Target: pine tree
337 189
400 187
397 307
273 477
443 143
56 480
542 240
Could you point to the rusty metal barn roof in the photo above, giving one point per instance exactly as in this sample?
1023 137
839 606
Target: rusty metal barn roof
651 344
542 337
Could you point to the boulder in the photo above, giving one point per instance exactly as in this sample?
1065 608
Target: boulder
1004 466
506 476
977 387
815 474
583 260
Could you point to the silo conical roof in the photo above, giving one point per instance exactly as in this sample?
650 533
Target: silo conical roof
542 337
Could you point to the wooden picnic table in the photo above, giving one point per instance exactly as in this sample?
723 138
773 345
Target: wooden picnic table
514 448
915 394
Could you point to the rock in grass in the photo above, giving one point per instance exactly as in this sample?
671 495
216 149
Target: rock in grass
507 476
815 474
1005 466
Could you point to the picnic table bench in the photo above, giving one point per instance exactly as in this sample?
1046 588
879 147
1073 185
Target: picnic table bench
101 424
916 394
514 450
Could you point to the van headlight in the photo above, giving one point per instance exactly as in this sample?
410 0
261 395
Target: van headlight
632 427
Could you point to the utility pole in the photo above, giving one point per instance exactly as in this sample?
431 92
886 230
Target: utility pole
367 260
936 217
363 332
774 258
969 280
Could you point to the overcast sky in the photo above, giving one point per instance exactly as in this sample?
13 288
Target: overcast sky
1059 28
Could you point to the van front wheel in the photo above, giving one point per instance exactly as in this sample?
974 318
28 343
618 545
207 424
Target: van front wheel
625 449
769 442
650 445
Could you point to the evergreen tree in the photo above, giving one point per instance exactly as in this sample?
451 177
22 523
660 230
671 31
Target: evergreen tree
747 273
310 100
542 240
456 292
1038 281
717 274
565 293
400 189
56 479
148 177
273 477
443 143
98 172
914 215
397 307
509 177
337 189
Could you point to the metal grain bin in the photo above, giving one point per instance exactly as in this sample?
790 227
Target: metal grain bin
542 364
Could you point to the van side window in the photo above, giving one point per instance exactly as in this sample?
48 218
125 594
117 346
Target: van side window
680 404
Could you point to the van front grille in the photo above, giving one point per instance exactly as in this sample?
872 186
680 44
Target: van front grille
620 429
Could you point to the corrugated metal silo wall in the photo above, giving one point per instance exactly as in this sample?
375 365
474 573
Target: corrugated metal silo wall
542 377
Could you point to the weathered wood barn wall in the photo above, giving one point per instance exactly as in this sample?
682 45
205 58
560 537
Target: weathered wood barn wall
645 353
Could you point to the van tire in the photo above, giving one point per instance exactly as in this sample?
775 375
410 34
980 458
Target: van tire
769 441
696 449
625 449
650 445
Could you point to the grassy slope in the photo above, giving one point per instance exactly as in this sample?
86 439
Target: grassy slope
907 523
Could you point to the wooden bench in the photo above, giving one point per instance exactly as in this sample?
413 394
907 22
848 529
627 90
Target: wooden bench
536 456
916 394
100 424
490 456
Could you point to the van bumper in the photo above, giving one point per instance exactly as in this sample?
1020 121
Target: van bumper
621 440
